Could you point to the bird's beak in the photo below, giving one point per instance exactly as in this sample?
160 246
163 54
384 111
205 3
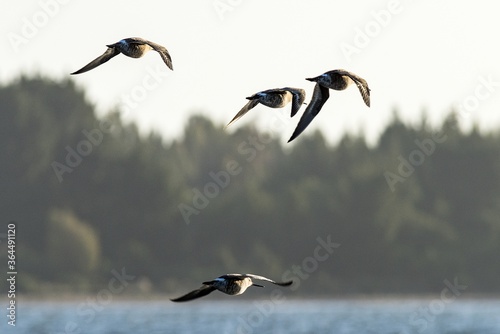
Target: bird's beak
260 286
315 78
208 283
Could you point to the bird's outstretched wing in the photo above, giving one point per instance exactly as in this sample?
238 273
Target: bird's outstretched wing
299 95
320 95
262 278
361 83
107 55
201 292
244 110
158 48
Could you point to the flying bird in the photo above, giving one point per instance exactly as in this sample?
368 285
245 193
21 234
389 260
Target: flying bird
337 80
320 95
231 284
134 47
274 98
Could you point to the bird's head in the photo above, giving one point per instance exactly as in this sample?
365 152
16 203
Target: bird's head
316 79
256 96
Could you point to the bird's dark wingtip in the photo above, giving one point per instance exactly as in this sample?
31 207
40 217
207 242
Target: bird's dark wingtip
181 299
298 130
287 283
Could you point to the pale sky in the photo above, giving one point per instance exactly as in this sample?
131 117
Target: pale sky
415 55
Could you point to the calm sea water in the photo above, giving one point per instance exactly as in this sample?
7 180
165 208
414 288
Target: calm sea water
402 316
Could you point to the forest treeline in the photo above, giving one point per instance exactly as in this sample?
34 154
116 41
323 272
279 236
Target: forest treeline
92 197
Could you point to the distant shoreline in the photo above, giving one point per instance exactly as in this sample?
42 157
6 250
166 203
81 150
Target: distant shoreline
164 297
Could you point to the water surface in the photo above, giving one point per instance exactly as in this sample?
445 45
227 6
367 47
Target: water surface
398 316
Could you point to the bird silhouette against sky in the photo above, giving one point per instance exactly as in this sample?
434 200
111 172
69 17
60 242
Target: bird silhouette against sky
337 80
231 284
134 47
274 98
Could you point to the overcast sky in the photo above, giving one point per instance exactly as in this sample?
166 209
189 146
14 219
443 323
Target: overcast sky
415 55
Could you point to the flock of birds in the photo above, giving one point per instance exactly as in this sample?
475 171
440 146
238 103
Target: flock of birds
135 47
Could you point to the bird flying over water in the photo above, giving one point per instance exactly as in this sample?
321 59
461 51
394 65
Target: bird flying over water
337 80
274 98
231 284
134 47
